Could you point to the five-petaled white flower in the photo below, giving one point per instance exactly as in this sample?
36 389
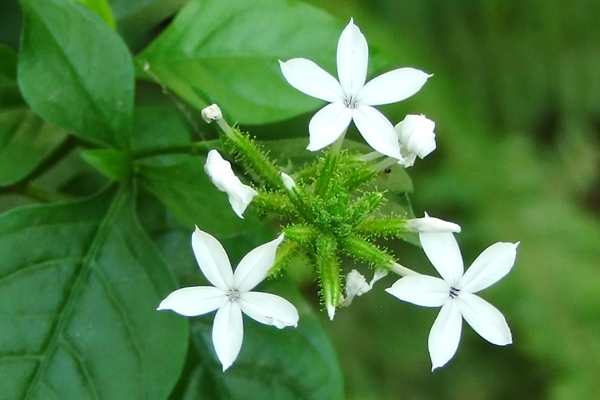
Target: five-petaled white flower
231 294
221 175
351 99
416 137
455 293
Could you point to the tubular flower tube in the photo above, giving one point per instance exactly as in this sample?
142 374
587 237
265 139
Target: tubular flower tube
429 224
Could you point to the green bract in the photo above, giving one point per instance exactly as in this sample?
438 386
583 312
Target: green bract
331 209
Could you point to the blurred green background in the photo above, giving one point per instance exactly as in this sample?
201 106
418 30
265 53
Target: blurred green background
516 99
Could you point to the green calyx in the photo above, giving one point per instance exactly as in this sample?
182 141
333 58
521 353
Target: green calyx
330 207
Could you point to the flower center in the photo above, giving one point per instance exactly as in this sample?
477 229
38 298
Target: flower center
233 294
350 102
454 292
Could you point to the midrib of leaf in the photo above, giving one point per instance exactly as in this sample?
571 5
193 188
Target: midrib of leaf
80 80
81 277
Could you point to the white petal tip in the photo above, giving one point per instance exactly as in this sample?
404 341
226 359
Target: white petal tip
311 147
288 182
331 311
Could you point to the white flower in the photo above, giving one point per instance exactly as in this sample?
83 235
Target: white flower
221 175
429 224
231 294
416 137
455 293
356 284
351 99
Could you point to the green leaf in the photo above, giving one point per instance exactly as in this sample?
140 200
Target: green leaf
76 72
101 8
136 19
156 132
25 139
114 164
79 284
188 193
231 53
9 90
291 363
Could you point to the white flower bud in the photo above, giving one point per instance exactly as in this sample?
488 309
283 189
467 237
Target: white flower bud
416 137
288 182
429 224
211 113
221 175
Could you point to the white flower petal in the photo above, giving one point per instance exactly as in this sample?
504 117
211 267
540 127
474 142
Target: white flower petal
492 265
255 265
269 309
228 333
352 59
288 181
221 175
429 224
356 285
377 131
443 252
391 87
219 171
194 301
328 124
444 336
240 198
422 290
484 318
309 78
212 259
416 136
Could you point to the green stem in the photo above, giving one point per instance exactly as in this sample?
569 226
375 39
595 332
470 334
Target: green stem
194 148
326 174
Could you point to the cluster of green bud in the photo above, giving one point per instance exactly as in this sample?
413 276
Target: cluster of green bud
328 208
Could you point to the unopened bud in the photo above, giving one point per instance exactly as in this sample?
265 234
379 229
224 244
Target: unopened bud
416 137
211 113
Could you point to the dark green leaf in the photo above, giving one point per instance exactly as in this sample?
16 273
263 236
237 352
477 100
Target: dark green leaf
158 131
292 363
25 139
114 164
231 53
192 198
9 90
79 284
137 18
76 72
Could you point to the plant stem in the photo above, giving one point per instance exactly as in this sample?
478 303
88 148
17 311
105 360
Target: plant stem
201 147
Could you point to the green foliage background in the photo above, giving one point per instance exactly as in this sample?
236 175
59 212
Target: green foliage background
515 97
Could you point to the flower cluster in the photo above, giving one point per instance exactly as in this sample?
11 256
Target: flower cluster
332 208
